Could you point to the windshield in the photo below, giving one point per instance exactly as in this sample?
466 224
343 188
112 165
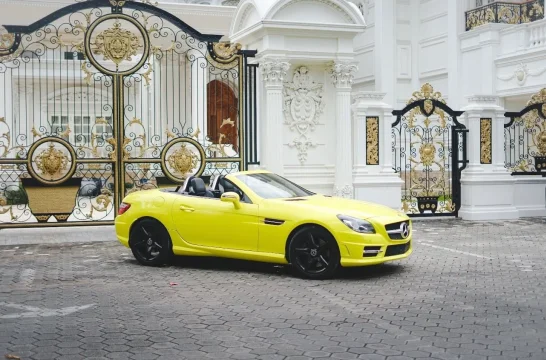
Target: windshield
272 186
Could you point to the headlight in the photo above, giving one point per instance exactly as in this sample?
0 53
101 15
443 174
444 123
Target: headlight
358 225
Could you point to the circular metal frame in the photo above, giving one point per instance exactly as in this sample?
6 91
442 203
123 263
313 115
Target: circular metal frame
169 145
63 142
143 32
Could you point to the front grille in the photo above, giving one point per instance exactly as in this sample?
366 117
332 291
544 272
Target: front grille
394 230
394 250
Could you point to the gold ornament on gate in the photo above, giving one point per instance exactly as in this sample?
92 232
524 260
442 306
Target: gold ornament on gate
541 142
427 152
226 50
116 44
51 161
182 160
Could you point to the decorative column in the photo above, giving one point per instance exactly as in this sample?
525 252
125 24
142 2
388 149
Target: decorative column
342 77
487 188
374 178
274 72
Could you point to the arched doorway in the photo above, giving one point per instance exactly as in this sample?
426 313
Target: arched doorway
222 111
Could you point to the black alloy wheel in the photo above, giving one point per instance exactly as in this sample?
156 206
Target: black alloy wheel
150 243
314 253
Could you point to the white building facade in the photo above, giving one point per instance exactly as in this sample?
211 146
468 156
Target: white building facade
335 75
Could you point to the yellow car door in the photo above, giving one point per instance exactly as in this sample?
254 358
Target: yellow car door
211 223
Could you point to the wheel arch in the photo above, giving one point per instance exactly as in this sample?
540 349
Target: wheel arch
145 217
298 228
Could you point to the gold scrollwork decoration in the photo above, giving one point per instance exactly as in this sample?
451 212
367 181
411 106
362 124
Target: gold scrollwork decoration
427 152
116 44
226 50
182 160
51 161
117 3
485 141
6 39
538 98
178 160
426 92
372 140
51 165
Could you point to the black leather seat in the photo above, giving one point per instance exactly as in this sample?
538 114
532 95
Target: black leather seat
198 188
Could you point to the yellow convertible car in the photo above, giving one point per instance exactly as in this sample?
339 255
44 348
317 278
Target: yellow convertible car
261 216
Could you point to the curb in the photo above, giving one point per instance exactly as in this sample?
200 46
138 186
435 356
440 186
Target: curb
65 235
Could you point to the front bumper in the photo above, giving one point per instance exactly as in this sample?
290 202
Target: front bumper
370 249
379 258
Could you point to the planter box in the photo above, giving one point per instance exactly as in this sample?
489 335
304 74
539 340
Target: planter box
47 201
427 203
540 163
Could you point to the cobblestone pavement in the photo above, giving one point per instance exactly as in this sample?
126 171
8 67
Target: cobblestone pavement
470 291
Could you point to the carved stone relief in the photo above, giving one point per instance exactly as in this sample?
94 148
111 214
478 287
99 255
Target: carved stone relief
303 105
522 73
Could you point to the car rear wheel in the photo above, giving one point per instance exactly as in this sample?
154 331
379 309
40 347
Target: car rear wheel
150 243
313 252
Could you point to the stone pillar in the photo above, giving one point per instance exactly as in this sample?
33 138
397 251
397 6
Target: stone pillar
384 30
342 77
455 26
274 72
487 187
374 178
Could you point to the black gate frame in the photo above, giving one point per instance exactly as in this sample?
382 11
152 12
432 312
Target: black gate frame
427 103
519 135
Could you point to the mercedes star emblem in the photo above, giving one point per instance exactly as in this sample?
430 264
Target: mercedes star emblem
404 230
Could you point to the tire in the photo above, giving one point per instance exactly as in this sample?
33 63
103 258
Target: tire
314 253
150 243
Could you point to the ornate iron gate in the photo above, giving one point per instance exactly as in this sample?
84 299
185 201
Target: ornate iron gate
429 150
525 138
106 97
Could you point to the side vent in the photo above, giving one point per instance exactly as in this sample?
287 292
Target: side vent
273 221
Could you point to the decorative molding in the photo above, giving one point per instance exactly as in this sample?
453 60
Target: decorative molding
342 74
79 95
274 71
303 104
325 2
483 99
521 73
485 140
372 140
372 96
345 191
404 55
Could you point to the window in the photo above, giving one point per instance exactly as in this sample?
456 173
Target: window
59 125
104 130
82 131
273 186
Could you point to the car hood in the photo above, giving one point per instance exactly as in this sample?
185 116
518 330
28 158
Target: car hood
337 205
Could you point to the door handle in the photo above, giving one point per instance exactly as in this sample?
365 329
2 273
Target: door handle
187 209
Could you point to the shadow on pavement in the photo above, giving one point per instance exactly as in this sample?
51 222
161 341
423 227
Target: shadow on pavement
233 265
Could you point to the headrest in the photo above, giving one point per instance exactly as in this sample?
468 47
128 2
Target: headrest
228 186
186 186
217 182
198 186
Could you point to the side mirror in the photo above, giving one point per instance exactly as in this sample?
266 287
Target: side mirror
231 197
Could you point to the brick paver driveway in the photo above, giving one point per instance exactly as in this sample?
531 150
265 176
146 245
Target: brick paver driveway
470 291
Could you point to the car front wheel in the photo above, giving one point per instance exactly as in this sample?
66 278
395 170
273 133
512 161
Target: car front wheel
313 252
150 243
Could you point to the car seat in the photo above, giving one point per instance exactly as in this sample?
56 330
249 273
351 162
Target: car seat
198 188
